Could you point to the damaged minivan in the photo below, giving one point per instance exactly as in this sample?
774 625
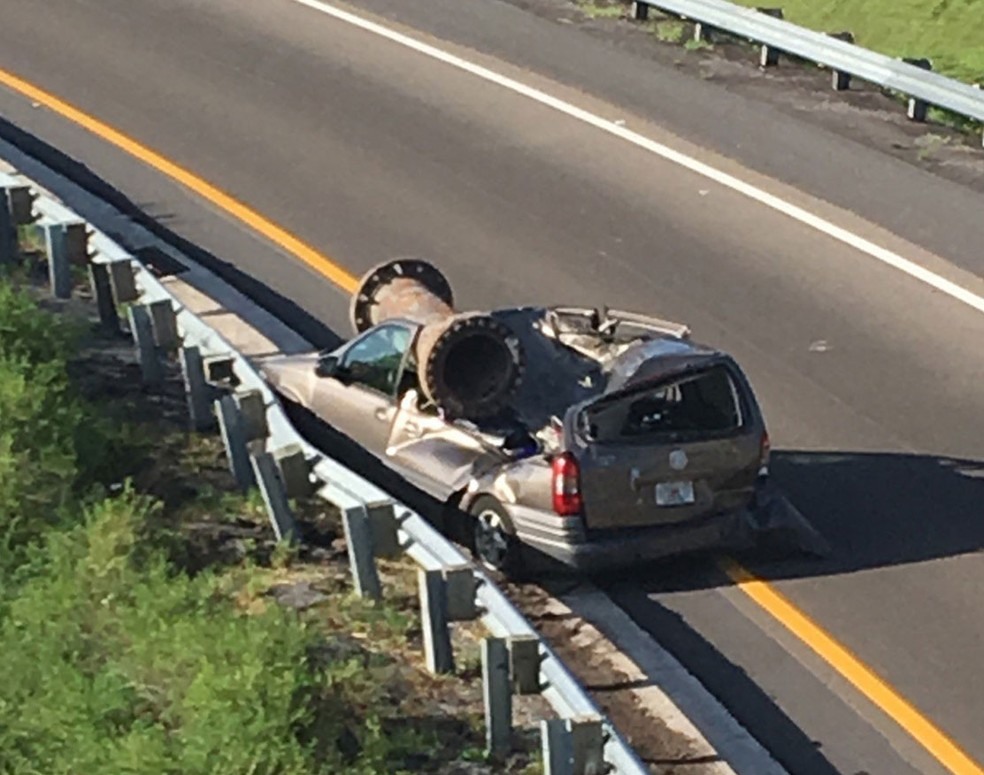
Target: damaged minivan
581 437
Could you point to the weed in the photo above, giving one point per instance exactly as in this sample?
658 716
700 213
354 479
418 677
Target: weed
669 31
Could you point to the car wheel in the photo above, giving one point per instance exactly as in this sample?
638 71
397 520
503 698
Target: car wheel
494 546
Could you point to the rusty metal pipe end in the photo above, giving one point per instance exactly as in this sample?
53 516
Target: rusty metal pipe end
470 365
404 287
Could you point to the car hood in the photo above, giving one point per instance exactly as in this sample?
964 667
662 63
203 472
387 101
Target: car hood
292 375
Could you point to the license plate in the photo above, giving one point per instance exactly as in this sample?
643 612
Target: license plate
674 493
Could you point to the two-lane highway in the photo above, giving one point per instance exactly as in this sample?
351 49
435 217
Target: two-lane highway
366 148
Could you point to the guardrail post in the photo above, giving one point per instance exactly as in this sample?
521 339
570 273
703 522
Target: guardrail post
384 529
102 290
8 229
558 749
274 496
165 324
640 10
916 109
769 56
588 743
295 471
358 540
234 439
703 32
460 585
197 391
142 331
434 618
252 412
840 81
497 695
59 266
524 663
123 282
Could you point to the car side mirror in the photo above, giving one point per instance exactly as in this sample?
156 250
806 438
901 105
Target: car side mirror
328 367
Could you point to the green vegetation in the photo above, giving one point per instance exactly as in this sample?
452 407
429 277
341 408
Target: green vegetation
669 31
141 621
602 10
950 32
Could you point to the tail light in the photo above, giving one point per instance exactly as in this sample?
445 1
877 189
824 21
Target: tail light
765 448
566 485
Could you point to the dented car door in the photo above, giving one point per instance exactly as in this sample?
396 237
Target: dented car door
437 456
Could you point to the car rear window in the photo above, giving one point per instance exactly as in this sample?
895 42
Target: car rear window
699 405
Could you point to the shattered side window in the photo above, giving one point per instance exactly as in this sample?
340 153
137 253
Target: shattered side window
701 405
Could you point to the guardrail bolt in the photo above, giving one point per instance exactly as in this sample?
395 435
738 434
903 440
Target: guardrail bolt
558 747
358 541
916 109
640 10
434 618
142 330
197 390
274 496
497 695
524 663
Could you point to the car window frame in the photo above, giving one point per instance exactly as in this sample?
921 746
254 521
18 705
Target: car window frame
410 330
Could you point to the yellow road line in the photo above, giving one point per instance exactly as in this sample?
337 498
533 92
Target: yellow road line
765 596
853 669
317 261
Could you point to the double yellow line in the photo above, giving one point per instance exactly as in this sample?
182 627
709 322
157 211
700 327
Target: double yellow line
877 691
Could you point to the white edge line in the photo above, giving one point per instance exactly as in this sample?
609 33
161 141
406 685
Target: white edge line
884 255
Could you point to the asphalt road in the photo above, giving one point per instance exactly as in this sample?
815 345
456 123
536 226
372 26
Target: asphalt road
368 150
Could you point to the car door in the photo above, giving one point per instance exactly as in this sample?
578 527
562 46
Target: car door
359 398
436 456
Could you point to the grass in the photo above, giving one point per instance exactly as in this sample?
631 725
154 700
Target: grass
949 32
608 10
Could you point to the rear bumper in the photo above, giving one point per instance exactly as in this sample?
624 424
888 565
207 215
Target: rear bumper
565 540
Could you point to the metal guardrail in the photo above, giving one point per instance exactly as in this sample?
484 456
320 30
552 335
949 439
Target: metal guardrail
263 448
844 58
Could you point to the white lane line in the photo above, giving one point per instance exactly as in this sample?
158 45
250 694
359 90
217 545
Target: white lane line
805 217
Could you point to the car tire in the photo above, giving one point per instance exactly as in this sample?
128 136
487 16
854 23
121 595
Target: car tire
492 544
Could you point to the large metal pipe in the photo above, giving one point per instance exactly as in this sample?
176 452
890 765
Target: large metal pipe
468 364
